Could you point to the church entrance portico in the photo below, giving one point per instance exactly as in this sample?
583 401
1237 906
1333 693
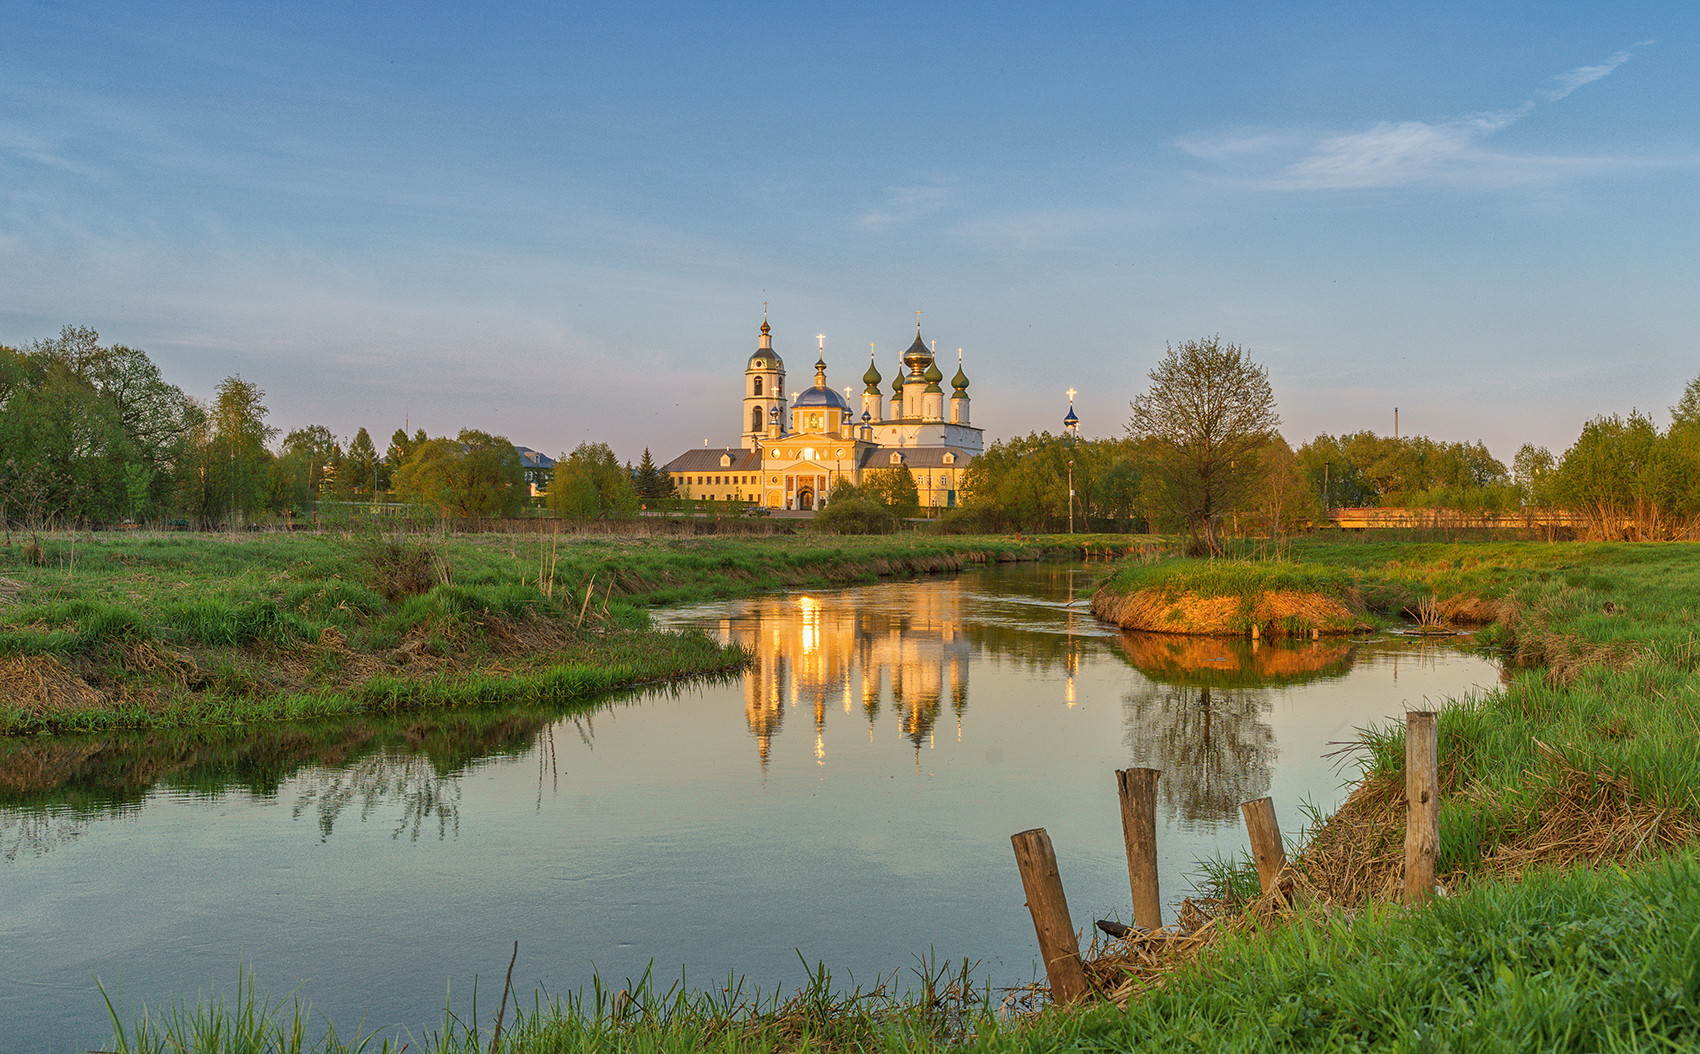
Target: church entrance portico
805 499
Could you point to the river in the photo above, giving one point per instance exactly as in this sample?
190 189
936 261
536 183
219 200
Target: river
848 801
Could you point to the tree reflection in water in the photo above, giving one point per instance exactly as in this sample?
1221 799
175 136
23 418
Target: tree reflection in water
373 782
35 832
1211 744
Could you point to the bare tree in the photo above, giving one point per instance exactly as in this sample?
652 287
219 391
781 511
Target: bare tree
1211 409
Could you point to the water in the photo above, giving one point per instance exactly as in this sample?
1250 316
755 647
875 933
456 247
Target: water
850 801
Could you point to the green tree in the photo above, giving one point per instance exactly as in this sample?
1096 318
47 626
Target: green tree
894 488
233 459
361 463
590 483
1533 470
1211 409
474 474
651 483
850 509
1626 479
306 461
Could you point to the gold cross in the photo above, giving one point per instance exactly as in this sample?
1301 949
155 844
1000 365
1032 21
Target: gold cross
1071 394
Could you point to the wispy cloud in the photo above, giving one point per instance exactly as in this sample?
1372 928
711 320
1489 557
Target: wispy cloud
1392 154
1573 79
905 204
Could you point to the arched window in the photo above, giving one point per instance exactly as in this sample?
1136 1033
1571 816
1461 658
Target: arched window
755 418
758 385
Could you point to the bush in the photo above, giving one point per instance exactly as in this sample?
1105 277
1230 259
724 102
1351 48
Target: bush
854 513
401 566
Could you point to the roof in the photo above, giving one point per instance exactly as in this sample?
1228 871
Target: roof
707 459
533 459
810 397
915 457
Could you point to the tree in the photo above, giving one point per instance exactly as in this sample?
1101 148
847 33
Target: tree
233 457
895 489
1533 469
361 463
850 509
474 474
1211 409
650 481
590 483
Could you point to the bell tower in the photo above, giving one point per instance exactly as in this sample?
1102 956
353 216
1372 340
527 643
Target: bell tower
764 392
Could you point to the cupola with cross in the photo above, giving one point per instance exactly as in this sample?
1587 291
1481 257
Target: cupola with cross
764 412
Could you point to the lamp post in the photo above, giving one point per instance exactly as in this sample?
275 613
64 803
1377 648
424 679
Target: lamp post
1071 428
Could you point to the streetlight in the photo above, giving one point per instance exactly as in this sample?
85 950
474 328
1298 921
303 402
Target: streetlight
1071 428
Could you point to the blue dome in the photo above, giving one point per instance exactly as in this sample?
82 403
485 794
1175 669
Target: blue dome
816 397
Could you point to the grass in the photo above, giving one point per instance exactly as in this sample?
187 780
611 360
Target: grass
172 630
1574 960
1570 819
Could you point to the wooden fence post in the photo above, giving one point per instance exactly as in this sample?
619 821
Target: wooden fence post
1422 799
1059 945
1137 789
1265 835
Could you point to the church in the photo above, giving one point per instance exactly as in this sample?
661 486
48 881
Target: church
795 448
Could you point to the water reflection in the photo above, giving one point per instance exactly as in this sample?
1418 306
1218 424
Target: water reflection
1200 717
52 788
380 781
839 650
1231 662
1212 744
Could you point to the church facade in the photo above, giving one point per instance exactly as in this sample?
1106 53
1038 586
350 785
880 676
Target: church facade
796 448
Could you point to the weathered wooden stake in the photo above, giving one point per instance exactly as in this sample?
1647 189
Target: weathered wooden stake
1265 840
1059 945
1137 789
1422 798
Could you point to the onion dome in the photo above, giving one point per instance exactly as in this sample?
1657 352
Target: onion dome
764 357
1071 422
960 381
933 377
821 396
897 383
872 378
917 358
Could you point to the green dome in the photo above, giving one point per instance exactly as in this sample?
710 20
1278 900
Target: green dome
960 381
897 383
872 378
933 376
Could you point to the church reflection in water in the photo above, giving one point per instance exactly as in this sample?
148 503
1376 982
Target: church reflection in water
839 650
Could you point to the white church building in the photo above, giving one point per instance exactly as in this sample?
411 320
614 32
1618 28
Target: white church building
795 448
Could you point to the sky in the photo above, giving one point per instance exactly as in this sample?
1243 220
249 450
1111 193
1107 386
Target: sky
560 222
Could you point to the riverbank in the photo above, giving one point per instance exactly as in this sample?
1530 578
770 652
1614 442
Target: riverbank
1528 950
104 632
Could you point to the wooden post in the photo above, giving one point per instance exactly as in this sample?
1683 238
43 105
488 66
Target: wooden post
1059 945
1265 835
1422 800
1137 789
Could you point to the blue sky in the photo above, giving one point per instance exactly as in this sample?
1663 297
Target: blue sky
560 222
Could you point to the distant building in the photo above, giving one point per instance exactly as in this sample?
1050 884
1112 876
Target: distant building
794 451
537 467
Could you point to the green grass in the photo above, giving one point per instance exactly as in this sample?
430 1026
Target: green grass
178 629
1603 646
1579 961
